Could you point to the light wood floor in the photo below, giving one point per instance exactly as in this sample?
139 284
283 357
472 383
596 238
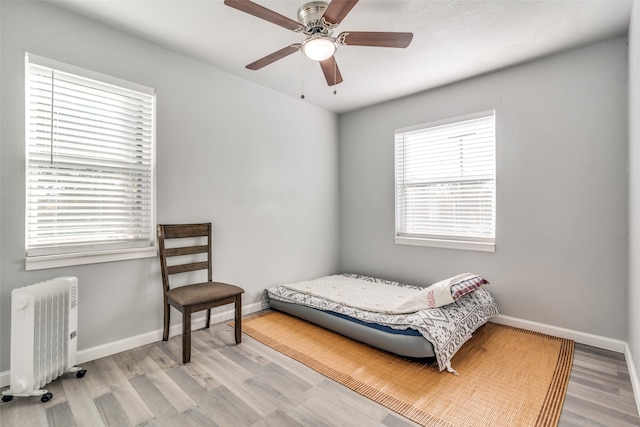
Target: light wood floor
253 385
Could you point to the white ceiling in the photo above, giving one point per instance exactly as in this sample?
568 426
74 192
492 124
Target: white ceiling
452 40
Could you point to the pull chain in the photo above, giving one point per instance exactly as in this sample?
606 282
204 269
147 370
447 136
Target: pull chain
301 76
335 74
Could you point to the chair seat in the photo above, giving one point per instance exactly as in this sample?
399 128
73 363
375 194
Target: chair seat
203 292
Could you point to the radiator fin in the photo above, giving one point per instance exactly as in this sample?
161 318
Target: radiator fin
44 320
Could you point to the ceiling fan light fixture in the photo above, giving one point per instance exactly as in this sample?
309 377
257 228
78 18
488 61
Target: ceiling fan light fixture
319 48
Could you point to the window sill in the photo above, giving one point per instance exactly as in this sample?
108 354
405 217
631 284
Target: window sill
66 260
449 244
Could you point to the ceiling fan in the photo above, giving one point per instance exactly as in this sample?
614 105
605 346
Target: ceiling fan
317 20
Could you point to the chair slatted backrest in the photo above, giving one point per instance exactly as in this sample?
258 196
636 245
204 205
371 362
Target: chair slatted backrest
188 232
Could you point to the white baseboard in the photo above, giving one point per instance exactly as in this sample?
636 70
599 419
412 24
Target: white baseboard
104 350
154 336
580 337
633 374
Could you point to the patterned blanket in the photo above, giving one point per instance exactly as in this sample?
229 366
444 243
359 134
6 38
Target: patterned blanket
446 327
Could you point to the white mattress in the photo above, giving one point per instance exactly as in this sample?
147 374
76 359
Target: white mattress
356 293
447 328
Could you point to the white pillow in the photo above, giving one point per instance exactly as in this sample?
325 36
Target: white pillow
434 296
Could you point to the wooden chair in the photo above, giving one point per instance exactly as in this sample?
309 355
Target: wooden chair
190 252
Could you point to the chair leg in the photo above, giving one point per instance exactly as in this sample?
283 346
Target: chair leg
208 318
167 314
238 319
186 335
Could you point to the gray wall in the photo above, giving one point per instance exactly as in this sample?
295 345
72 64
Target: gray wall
561 246
228 151
233 153
634 190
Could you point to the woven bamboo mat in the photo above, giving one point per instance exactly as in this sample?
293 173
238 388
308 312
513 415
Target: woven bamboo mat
507 376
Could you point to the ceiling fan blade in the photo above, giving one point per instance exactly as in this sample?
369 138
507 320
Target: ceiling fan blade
372 38
263 13
262 62
331 71
337 10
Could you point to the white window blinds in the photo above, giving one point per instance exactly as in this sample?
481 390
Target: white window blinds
445 182
90 164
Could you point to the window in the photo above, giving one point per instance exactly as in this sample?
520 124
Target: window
89 167
445 183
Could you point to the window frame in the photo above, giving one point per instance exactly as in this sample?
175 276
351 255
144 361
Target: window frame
99 252
433 240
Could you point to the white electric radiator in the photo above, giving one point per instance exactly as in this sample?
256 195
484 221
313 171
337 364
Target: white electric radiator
44 339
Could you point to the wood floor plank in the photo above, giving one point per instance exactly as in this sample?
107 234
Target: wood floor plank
601 394
244 360
162 359
201 376
248 353
157 403
173 347
130 361
305 416
278 418
258 387
280 379
393 420
96 382
620 381
599 352
203 340
192 417
59 415
188 384
112 375
293 366
589 371
221 368
82 406
172 392
342 399
595 414
341 415
233 377
150 423
283 382
23 411
228 409
111 411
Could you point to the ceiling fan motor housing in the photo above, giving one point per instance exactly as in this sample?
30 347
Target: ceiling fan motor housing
310 16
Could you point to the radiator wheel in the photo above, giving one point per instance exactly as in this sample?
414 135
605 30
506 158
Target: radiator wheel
46 397
6 398
81 373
